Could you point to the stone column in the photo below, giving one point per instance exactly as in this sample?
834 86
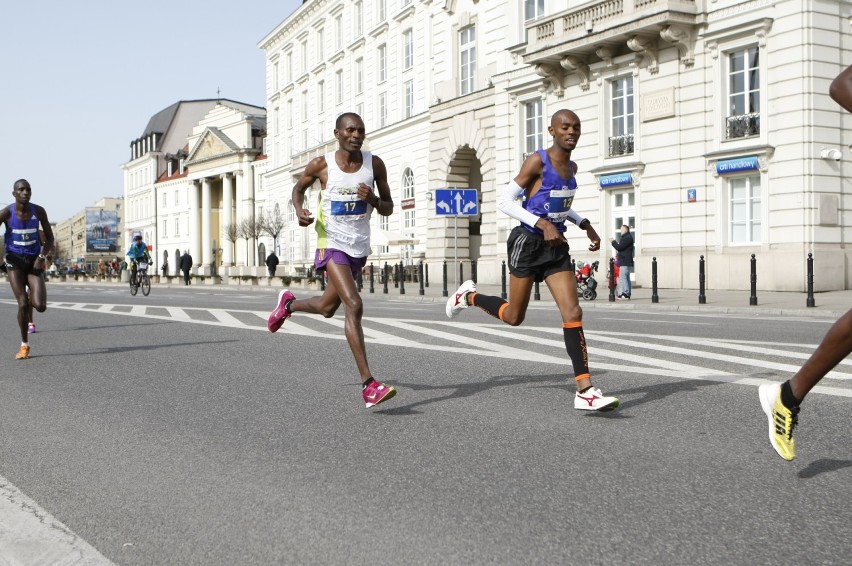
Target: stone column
227 218
248 208
194 247
206 239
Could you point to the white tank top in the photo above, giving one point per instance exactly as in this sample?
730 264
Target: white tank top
343 222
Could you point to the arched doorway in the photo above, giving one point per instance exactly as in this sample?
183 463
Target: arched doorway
465 171
261 254
177 261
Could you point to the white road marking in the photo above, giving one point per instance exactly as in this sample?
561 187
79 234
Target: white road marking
31 535
465 334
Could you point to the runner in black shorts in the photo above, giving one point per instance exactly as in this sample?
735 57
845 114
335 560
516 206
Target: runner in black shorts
530 256
538 251
25 260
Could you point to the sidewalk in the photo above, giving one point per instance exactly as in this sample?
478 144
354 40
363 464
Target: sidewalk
830 304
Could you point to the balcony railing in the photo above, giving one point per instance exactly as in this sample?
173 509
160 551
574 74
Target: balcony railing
620 145
742 126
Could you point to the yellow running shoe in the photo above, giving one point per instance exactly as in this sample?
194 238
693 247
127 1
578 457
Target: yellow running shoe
782 420
23 353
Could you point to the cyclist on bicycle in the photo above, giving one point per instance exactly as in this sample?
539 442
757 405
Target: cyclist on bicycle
138 251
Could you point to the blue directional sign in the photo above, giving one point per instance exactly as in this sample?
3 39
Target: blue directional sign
456 202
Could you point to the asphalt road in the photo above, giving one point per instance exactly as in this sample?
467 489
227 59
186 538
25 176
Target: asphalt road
174 429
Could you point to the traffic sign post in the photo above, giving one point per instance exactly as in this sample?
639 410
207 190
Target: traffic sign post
456 202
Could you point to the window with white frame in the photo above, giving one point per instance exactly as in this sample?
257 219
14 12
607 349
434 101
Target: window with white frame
622 113
164 194
359 75
177 226
320 131
338 91
338 32
290 113
382 109
304 106
623 211
384 224
359 18
533 126
289 68
407 49
533 9
467 59
382 62
165 231
321 96
304 68
359 109
408 98
408 193
743 118
320 44
177 198
381 10
275 86
745 210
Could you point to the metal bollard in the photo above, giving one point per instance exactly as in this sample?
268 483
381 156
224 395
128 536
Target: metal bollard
537 293
702 299
360 281
426 272
401 279
461 272
611 280
395 276
473 270
573 265
385 279
322 280
446 293
752 300
420 277
654 297
372 279
503 280
810 300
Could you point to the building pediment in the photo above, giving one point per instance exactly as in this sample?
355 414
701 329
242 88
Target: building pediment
211 145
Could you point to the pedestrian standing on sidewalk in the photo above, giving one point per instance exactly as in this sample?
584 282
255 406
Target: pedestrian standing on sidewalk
538 251
26 259
347 178
781 403
625 248
271 263
185 265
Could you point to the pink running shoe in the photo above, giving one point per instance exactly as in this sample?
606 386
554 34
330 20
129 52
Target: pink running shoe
31 328
281 313
377 392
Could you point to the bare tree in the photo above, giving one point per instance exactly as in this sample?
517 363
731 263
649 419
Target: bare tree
250 229
273 224
231 232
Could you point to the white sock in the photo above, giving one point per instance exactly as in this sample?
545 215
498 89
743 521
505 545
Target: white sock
25 344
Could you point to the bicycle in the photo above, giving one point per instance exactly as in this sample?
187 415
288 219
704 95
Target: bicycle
140 280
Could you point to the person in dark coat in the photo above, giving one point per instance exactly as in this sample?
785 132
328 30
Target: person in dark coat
272 263
625 261
185 264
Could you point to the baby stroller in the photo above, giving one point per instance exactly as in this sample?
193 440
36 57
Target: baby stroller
586 282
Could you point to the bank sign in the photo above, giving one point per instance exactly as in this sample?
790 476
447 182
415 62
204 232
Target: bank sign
727 166
616 179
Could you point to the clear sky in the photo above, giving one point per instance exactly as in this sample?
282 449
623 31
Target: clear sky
79 81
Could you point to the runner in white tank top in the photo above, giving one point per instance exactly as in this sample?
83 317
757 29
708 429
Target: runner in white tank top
347 177
343 222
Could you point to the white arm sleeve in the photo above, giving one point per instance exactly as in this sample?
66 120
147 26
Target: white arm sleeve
575 217
508 205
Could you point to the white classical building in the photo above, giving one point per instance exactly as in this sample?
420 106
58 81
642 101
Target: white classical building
192 175
707 124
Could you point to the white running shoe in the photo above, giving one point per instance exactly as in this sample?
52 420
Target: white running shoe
458 300
593 400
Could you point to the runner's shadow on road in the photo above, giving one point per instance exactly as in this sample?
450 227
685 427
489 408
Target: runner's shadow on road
822 466
462 390
144 348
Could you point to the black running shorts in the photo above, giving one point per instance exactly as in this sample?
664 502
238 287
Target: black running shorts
530 256
24 262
